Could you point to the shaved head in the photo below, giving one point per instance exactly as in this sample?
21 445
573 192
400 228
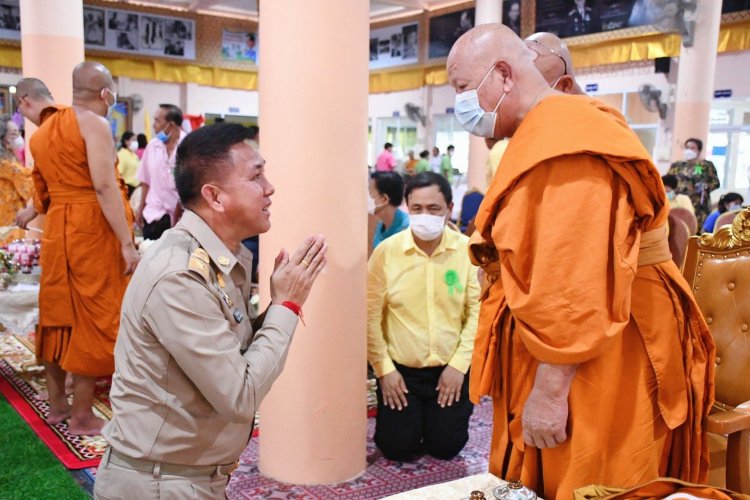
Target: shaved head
554 62
32 96
93 88
89 78
33 88
495 55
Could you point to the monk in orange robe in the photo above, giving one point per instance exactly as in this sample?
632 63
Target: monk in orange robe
87 248
590 343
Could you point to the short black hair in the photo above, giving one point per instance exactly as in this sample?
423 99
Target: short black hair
142 141
424 154
695 141
427 179
126 136
387 145
203 156
728 198
390 184
173 114
254 131
450 148
670 180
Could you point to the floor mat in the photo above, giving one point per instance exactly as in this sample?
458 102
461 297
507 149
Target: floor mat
381 478
22 382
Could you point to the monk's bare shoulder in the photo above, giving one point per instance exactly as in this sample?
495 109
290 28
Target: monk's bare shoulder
90 122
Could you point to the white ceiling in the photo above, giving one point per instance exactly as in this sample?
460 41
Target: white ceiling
248 9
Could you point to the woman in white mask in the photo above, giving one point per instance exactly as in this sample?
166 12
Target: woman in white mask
386 192
16 186
696 178
127 160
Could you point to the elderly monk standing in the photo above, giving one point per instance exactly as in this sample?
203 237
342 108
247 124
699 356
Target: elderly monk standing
553 61
87 249
598 360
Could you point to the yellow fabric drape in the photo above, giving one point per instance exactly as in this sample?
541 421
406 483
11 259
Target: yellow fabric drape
732 37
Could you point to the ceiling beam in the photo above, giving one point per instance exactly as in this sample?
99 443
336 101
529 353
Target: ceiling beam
412 4
201 4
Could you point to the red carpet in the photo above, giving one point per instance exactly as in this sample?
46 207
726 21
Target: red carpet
21 381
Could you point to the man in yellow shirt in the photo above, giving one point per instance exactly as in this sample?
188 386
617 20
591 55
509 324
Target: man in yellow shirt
422 308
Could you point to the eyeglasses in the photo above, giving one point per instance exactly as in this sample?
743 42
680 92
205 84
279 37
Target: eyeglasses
543 50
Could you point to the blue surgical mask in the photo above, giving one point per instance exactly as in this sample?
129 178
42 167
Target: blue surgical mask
470 114
162 137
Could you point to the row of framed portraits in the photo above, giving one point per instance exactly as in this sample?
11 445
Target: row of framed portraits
398 45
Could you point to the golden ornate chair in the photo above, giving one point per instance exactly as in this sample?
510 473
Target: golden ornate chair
717 268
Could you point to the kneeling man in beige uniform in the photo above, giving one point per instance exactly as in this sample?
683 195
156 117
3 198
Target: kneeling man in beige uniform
192 359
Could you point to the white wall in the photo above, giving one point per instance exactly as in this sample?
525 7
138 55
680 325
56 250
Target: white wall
191 98
731 73
153 94
201 100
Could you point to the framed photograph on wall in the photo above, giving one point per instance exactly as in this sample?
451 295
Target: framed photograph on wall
446 29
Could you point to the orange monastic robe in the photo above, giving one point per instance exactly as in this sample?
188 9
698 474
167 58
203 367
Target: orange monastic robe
16 187
572 236
83 273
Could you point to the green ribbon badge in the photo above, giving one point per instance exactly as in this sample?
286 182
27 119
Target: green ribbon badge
698 169
451 279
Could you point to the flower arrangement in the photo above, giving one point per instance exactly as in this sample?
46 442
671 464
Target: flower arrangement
8 269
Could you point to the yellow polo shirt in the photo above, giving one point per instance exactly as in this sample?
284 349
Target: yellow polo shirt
421 310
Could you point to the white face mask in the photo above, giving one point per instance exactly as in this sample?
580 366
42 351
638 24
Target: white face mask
370 204
427 227
133 146
470 114
17 143
733 207
110 107
689 154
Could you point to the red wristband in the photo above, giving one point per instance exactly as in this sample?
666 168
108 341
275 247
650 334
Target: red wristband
295 308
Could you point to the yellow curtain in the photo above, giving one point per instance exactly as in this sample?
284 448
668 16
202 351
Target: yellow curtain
732 37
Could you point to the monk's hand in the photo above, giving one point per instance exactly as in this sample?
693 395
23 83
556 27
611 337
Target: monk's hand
545 414
131 256
24 216
394 390
449 386
293 277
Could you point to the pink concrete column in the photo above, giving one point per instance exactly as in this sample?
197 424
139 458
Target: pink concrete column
51 46
313 115
52 43
695 80
487 11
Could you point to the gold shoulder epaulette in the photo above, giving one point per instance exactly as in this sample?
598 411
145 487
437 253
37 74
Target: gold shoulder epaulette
198 263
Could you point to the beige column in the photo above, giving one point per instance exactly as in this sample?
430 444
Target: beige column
52 43
487 11
695 80
51 46
313 113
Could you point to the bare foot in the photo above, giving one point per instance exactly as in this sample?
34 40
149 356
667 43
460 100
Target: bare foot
88 426
58 415
69 384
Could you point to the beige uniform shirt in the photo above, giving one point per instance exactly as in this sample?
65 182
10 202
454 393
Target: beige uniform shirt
189 371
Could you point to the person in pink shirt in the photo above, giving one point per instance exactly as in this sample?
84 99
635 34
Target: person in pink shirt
386 162
160 204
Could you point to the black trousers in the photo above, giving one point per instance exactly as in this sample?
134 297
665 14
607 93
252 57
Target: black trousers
423 426
153 230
